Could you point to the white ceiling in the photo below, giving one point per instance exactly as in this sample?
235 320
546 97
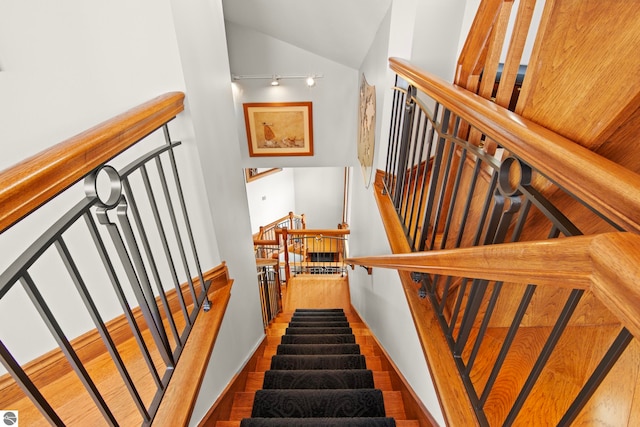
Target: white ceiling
340 30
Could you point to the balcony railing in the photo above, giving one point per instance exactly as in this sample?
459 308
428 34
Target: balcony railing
478 221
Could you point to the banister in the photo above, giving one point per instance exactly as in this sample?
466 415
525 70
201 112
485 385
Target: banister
264 242
606 186
316 232
608 264
36 180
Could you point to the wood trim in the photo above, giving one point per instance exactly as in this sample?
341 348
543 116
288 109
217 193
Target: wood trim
36 180
52 365
556 262
472 58
250 175
454 402
181 394
314 232
606 186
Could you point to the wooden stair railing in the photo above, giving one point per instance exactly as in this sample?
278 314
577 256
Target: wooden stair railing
36 180
311 241
607 264
602 184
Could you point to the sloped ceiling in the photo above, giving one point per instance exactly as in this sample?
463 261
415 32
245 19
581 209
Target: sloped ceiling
339 30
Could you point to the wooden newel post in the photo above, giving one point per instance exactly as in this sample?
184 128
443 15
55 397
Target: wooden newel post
285 245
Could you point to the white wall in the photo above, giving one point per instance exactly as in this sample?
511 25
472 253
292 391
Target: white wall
64 68
334 98
436 34
427 33
320 195
271 198
202 42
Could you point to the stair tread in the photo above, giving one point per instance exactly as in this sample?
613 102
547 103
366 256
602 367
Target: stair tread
399 423
381 380
243 405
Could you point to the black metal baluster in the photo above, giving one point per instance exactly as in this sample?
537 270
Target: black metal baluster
413 172
467 206
608 361
425 175
157 332
417 177
185 215
508 340
29 388
435 173
165 243
72 357
443 186
403 154
106 260
80 285
454 198
553 339
483 326
462 289
135 213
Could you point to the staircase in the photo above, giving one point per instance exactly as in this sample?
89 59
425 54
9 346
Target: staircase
322 368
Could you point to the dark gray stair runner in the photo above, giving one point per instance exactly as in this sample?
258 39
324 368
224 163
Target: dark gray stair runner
318 349
318 378
323 361
319 422
319 339
303 324
309 331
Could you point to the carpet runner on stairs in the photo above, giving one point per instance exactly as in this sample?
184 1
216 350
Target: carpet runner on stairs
318 378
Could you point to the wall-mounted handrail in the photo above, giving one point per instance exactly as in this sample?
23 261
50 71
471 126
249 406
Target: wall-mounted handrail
608 264
606 186
36 180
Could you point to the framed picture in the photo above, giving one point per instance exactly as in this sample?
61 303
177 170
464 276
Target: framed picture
252 174
279 129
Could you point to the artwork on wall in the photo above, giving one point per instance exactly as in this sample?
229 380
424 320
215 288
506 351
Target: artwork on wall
279 129
366 129
251 174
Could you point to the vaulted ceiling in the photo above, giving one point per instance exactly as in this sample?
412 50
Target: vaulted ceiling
339 30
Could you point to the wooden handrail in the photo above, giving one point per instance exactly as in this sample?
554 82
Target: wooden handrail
179 400
604 185
290 217
608 264
316 232
36 180
265 242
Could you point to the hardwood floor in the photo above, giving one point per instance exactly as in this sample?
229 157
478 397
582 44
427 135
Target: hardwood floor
64 391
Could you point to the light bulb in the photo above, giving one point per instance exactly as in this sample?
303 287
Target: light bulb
311 81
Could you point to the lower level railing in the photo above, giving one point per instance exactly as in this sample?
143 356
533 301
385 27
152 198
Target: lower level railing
270 289
127 248
314 251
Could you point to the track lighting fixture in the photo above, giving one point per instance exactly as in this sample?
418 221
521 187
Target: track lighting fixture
310 79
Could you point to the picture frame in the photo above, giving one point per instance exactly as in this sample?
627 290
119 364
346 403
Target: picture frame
279 129
251 174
